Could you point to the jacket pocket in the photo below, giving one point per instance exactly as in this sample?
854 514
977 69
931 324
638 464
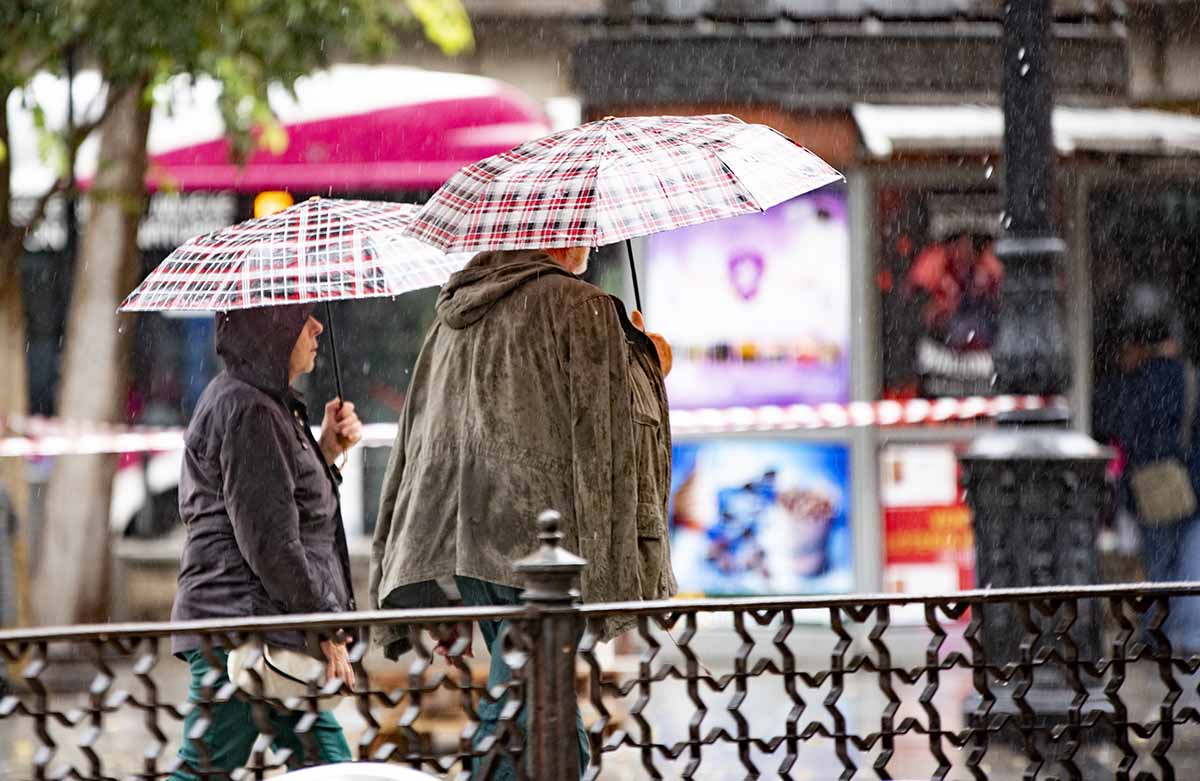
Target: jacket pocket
651 549
648 448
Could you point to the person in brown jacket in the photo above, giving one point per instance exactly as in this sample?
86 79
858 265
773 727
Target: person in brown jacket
533 391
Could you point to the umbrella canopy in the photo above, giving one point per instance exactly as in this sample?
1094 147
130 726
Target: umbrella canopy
616 179
322 249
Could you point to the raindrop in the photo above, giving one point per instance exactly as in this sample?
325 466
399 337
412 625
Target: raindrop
987 173
1025 69
121 328
1006 223
1021 53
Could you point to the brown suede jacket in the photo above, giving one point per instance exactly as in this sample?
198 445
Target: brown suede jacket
532 392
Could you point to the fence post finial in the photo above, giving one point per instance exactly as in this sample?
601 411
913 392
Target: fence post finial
550 574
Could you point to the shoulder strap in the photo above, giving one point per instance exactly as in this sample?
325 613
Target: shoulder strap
1189 407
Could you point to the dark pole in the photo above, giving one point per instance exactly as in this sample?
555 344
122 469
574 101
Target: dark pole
1030 353
1035 487
551 574
337 370
637 294
70 222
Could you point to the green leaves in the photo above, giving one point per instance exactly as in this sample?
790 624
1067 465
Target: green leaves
52 147
245 44
445 23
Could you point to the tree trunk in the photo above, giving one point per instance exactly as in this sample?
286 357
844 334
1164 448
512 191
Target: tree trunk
14 389
75 560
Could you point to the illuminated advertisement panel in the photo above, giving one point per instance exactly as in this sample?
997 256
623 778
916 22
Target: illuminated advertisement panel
757 308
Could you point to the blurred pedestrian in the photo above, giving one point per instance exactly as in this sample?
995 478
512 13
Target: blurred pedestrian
533 391
259 499
1149 408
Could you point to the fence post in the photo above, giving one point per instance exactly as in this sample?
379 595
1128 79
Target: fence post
550 575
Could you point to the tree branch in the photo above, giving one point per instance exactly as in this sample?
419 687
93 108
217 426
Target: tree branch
79 133
12 243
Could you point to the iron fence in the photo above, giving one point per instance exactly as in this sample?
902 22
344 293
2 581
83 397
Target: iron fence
796 688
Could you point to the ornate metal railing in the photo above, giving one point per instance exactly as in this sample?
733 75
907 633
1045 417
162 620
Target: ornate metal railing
981 684
121 666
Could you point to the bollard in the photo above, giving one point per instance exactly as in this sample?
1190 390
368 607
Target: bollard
551 574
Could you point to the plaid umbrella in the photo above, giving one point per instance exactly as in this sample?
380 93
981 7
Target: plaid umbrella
616 179
322 249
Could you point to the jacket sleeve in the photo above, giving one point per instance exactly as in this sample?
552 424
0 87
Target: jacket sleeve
603 464
259 484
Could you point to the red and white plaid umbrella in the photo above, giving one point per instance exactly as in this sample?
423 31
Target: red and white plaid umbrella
616 179
322 249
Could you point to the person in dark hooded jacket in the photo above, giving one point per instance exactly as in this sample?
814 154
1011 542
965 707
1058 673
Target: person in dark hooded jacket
258 496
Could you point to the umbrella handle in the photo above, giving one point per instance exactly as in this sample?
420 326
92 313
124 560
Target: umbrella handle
637 295
337 371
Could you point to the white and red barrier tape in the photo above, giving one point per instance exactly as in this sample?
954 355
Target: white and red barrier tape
34 436
913 412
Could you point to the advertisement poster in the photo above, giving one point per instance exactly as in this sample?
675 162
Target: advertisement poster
757 307
761 516
940 282
928 543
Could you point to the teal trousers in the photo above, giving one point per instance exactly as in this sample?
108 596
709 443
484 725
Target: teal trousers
482 593
230 737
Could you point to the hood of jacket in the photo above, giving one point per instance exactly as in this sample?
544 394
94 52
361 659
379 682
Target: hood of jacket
256 344
488 277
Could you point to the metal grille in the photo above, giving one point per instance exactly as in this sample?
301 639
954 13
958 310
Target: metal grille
800 688
84 688
871 697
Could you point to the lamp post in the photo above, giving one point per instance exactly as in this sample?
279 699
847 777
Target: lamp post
1030 353
1035 487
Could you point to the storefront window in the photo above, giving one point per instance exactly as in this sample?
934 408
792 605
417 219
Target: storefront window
1143 231
940 283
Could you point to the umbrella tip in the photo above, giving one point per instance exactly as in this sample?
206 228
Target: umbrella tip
610 116
314 197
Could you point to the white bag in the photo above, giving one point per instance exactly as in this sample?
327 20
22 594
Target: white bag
285 673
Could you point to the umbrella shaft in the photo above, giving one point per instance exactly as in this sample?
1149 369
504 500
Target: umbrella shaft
337 371
637 294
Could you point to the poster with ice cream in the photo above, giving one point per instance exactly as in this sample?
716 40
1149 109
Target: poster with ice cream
760 516
757 308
